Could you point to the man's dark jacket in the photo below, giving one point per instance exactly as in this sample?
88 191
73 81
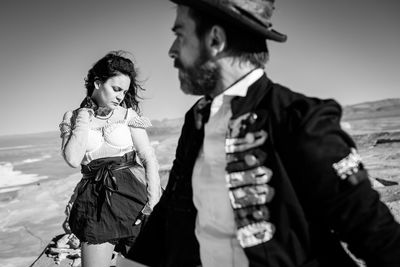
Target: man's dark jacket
314 207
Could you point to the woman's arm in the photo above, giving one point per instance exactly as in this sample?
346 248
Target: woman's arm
146 154
74 134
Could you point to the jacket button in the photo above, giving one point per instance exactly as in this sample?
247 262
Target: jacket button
242 213
249 137
258 214
253 117
250 160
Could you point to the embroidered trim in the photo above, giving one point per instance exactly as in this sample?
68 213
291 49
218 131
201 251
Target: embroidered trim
248 189
239 125
259 175
349 165
255 234
251 214
251 195
250 140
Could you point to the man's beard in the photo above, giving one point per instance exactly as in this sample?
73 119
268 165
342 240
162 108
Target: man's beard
201 78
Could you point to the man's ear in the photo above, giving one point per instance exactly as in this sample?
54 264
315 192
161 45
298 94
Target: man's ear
216 40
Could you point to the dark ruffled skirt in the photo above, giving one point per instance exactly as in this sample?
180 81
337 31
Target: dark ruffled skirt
110 197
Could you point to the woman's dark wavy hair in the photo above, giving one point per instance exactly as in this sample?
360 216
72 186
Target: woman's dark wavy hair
112 64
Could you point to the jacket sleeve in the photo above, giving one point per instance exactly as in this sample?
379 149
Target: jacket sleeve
150 247
335 185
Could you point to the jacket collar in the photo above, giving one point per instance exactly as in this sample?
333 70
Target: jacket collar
239 88
255 94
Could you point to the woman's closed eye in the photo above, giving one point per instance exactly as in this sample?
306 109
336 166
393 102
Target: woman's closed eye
118 89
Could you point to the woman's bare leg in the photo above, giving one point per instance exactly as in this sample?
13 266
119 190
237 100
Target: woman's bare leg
96 255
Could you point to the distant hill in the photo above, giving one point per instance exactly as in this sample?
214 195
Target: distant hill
372 117
169 123
375 109
165 128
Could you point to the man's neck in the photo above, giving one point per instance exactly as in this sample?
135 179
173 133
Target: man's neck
230 72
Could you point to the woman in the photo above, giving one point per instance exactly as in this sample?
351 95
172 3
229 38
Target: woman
107 138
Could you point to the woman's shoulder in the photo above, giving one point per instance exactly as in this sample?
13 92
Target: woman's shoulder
136 120
68 115
131 118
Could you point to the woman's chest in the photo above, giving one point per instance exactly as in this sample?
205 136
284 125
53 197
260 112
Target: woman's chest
112 133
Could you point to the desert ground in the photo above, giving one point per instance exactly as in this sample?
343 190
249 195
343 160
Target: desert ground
375 127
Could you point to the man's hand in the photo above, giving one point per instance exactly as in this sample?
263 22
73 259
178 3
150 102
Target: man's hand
146 211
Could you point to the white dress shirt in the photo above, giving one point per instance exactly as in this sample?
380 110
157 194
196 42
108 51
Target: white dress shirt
215 225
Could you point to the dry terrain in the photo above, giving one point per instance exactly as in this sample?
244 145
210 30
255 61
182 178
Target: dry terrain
375 126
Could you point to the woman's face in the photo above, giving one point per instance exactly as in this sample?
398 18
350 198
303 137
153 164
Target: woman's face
111 92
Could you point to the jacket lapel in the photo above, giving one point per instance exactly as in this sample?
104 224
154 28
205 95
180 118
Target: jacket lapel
255 94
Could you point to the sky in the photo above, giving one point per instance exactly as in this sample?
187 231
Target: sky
346 50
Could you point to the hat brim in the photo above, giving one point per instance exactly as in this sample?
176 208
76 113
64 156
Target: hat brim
237 19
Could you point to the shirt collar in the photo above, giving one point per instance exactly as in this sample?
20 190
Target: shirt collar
240 88
237 89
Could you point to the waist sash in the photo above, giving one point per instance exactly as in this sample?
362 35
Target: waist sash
101 172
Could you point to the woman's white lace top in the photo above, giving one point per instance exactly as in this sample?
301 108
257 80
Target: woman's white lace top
112 139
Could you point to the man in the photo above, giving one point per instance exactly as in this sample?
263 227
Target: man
263 176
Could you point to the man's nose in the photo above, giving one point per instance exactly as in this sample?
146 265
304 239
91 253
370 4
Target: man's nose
172 52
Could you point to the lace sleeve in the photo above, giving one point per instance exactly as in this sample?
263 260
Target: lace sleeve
66 124
136 121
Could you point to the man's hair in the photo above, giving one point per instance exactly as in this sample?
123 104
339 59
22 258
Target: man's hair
245 46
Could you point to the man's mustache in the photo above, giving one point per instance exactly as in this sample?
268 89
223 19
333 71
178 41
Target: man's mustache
178 64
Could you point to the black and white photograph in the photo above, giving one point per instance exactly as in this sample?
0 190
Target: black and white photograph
200 133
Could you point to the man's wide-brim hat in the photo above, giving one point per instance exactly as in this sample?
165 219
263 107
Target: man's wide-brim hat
251 15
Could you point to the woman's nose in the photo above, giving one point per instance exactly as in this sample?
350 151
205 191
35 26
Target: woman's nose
120 97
